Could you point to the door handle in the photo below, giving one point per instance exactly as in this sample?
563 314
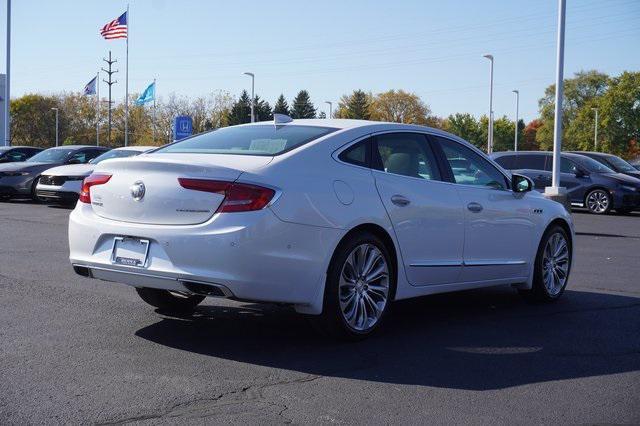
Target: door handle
400 201
474 207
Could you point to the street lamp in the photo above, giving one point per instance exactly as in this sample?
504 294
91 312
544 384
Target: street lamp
56 110
595 136
515 144
330 108
253 79
7 88
490 132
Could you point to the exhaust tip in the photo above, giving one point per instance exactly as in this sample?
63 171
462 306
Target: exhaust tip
213 290
82 270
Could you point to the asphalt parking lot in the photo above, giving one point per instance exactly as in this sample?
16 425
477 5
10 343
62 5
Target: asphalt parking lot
74 350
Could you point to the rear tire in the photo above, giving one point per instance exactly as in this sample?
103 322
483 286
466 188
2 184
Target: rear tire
360 286
598 201
552 266
168 301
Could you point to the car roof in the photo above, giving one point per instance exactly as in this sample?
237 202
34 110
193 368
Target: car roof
79 147
20 146
565 153
135 148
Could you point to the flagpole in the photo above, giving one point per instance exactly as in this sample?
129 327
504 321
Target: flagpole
155 89
126 84
98 109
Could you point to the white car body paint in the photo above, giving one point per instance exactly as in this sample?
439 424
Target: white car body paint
282 252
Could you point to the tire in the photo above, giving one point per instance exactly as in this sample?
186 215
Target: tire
34 197
598 201
549 286
168 301
354 306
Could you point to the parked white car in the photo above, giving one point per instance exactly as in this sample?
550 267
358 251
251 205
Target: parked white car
336 217
62 184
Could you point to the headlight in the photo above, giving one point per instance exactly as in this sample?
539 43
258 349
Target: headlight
628 188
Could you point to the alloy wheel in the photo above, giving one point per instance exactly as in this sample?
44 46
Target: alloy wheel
598 201
364 287
555 263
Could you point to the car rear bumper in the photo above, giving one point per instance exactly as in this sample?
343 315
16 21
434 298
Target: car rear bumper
248 256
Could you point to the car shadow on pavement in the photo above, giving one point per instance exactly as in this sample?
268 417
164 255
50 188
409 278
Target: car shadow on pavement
473 340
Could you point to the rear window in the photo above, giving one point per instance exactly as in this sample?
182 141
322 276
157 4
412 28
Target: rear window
532 162
508 162
249 140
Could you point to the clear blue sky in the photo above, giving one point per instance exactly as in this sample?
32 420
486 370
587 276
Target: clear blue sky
329 47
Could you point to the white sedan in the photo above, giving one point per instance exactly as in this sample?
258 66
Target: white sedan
62 184
338 218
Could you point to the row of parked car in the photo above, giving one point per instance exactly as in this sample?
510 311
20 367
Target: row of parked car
596 181
55 174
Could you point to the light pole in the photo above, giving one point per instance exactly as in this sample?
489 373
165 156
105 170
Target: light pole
490 132
330 108
595 130
7 88
515 143
56 110
555 192
253 79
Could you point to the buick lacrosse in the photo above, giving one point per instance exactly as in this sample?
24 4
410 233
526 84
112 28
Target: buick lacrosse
338 218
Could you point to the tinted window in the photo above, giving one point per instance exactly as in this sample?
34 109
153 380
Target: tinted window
533 161
80 157
507 161
406 154
356 154
249 140
115 153
592 165
469 168
16 155
567 166
618 164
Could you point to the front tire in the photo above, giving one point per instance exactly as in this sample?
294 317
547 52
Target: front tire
552 266
598 201
169 301
360 285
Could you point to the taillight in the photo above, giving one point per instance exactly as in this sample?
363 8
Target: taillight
92 180
238 197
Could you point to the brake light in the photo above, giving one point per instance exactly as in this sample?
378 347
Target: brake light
238 197
92 180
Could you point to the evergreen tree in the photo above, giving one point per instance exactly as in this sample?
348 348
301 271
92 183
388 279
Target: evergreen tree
356 105
322 114
240 112
281 106
262 110
302 106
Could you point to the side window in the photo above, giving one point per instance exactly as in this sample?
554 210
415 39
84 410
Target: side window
356 154
406 154
567 166
16 156
79 158
532 162
507 162
93 153
469 168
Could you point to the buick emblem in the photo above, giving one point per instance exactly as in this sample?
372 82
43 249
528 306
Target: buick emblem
137 190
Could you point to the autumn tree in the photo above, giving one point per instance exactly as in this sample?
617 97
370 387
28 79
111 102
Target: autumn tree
33 123
399 106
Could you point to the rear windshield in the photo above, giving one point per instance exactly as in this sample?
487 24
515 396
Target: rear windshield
114 153
619 164
249 140
52 155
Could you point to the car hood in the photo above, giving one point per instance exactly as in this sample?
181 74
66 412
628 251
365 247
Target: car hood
26 167
622 178
633 174
71 170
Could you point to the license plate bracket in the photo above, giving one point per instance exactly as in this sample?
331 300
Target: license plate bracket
130 251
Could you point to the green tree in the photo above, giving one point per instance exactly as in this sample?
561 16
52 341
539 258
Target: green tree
281 106
467 127
240 112
302 107
33 123
355 106
262 109
399 106
619 110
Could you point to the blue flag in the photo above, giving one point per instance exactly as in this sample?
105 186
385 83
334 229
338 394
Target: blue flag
90 88
148 95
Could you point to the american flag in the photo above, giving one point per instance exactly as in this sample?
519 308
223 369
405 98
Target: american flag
116 28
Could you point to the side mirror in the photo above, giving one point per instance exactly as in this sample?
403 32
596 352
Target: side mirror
520 183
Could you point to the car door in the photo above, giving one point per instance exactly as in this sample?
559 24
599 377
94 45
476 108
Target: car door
426 212
499 227
573 179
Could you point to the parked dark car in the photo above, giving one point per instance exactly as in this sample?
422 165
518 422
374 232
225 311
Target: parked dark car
589 183
13 154
636 163
614 162
20 179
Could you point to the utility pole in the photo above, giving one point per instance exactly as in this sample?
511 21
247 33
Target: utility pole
253 99
330 108
7 88
515 144
595 136
490 130
109 82
57 141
